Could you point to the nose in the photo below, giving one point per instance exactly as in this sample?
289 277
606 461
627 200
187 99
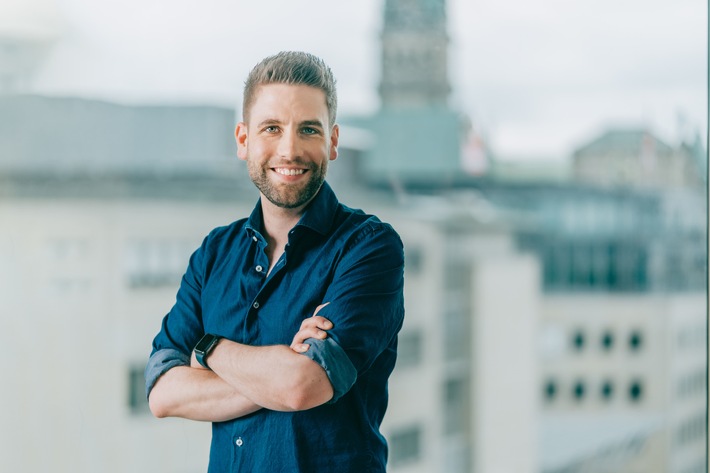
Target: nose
288 144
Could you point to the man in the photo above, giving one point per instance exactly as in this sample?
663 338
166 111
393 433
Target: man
284 331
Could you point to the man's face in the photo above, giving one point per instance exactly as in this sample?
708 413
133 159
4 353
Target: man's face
287 143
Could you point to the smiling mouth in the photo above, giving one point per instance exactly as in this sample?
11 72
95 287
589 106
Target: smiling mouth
289 172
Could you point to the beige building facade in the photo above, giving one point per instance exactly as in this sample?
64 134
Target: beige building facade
625 371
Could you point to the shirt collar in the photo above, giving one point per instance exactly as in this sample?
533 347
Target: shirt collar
318 216
320 212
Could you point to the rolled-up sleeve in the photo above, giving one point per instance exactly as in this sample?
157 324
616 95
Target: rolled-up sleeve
160 362
366 296
335 362
366 307
181 327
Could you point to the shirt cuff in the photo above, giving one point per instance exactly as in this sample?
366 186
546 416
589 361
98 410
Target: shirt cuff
335 362
160 362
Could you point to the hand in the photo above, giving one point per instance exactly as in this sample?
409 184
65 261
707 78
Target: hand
312 327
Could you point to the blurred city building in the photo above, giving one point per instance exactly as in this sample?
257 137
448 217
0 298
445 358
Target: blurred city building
555 317
638 159
621 241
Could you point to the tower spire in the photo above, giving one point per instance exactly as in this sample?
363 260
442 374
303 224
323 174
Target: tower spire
414 55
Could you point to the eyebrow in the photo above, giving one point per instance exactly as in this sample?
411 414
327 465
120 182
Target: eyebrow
316 123
269 121
273 121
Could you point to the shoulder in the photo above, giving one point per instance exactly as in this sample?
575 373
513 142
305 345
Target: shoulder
227 231
364 228
223 238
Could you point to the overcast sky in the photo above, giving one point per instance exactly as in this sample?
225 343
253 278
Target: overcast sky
538 77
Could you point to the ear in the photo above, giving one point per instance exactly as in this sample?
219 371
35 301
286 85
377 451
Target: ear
334 136
240 133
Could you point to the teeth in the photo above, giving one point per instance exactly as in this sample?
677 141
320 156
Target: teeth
289 172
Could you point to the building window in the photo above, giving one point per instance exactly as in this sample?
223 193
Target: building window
607 340
692 384
69 250
692 430
457 277
635 340
70 260
612 275
405 446
456 328
578 390
578 340
607 390
413 259
409 349
455 405
636 391
137 401
550 390
156 263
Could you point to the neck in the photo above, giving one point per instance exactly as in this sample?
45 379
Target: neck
277 223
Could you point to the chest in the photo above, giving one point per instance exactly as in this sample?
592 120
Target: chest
243 301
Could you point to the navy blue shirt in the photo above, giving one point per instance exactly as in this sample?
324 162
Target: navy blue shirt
334 254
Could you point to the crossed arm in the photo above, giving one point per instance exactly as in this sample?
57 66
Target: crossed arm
244 378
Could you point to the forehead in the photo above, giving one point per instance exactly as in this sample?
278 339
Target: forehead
282 101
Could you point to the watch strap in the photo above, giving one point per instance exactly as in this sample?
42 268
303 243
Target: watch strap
204 347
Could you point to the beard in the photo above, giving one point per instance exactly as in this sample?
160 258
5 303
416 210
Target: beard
288 196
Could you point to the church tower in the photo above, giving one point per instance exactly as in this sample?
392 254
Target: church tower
417 135
414 55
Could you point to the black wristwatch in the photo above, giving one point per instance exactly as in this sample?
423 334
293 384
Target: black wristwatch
204 347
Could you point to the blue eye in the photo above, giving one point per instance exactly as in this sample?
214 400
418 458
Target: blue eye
309 131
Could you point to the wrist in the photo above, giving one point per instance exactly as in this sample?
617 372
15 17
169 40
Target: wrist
205 347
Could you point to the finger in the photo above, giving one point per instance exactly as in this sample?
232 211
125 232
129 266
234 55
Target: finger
321 322
300 347
303 334
316 321
320 307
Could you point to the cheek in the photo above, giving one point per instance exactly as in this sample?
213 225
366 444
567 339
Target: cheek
321 150
256 150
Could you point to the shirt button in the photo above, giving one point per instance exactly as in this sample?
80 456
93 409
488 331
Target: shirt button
239 442
259 268
255 305
254 238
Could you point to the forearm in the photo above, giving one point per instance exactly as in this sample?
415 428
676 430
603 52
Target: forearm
274 377
197 394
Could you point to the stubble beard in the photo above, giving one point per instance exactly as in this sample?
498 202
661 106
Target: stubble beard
284 195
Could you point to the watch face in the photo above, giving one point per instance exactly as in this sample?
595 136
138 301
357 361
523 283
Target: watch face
205 343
